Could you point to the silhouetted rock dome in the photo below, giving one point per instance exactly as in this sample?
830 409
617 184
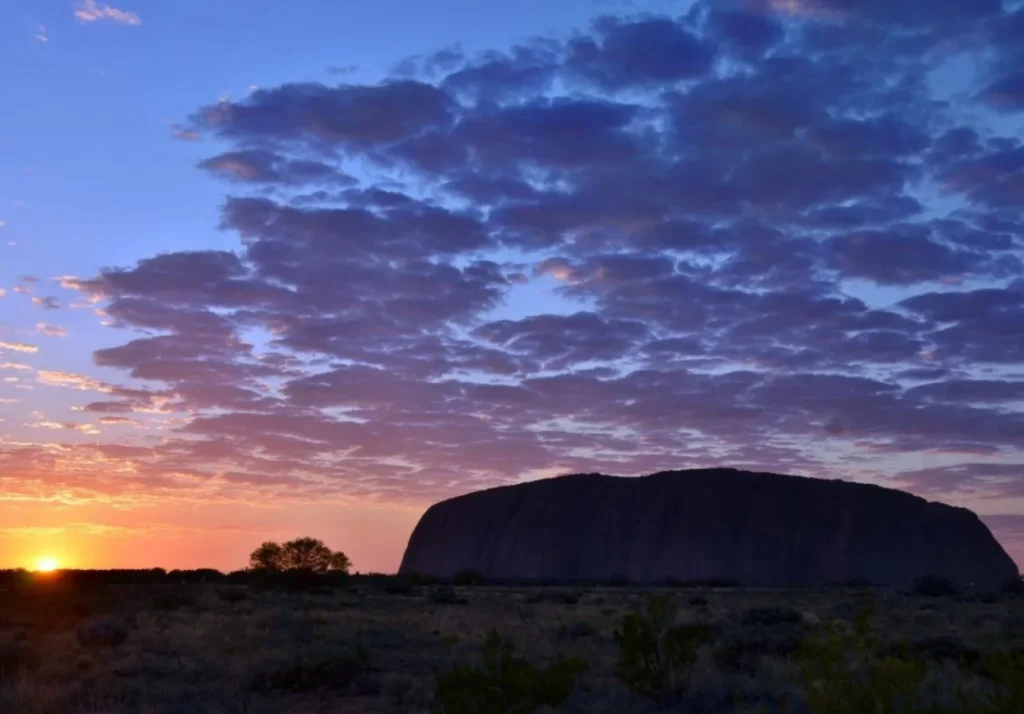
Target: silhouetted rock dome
756 528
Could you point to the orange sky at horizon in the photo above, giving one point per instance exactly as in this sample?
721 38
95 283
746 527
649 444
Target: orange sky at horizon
174 537
192 535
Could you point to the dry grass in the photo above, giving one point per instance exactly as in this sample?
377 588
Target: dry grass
210 649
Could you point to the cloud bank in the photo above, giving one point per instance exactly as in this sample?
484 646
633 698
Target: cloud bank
762 234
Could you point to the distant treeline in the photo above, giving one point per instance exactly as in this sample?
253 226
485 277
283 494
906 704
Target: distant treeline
160 576
298 578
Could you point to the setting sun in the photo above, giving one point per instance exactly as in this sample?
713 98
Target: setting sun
46 565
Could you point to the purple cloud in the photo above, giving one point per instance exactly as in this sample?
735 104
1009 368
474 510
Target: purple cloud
734 236
642 53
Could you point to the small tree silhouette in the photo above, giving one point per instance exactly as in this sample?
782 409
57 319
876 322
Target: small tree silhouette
267 557
300 554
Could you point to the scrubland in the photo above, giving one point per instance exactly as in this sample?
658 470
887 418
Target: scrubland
390 645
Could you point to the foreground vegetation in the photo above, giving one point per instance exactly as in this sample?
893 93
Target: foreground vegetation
257 643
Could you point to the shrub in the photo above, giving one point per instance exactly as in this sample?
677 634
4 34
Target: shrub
568 598
937 648
400 585
1006 668
299 580
579 630
102 632
504 683
760 632
845 672
768 616
233 595
655 654
934 586
833 684
741 648
420 578
16 658
318 671
468 578
170 599
446 595
1014 586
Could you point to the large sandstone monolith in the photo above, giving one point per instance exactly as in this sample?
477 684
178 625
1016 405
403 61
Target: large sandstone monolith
755 528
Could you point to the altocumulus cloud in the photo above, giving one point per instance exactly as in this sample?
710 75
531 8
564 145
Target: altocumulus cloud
763 239
92 11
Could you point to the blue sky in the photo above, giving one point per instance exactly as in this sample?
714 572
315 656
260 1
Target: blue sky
645 221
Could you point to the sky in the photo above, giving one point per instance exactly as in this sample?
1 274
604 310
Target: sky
277 269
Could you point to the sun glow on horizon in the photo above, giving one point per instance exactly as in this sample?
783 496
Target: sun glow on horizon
46 564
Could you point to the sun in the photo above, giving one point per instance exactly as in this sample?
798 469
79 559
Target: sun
46 565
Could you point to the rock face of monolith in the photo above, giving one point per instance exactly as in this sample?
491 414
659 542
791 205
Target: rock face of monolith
756 528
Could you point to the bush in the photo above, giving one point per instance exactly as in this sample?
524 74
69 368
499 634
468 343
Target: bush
934 586
468 578
505 684
16 658
305 580
1014 586
1007 670
446 595
320 671
579 630
397 585
102 632
768 616
845 671
841 677
655 654
233 595
170 599
937 648
740 649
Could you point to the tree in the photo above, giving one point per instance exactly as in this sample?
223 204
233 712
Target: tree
266 557
340 562
299 554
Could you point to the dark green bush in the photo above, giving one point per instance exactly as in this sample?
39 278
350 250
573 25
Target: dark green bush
934 586
446 595
740 649
842 677
306 672
1006 669
170 598
468 578
846 671
1014 586
768 616
655 654
579 630
400 586
233 595
504 683
16 658
937 648
102 632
